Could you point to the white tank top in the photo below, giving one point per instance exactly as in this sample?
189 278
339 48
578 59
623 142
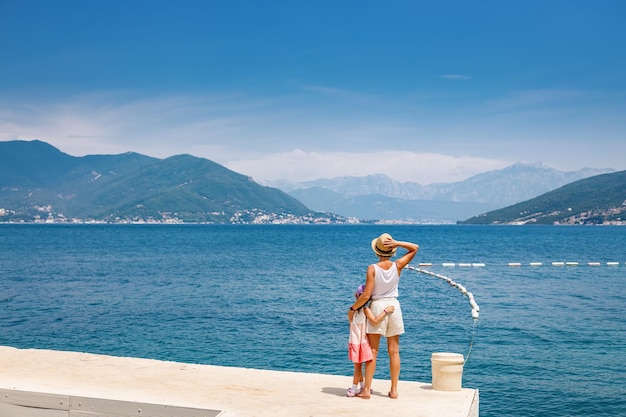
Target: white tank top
385 282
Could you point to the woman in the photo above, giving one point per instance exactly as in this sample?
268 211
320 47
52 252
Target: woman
381 285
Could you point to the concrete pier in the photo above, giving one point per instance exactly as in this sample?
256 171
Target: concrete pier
47 383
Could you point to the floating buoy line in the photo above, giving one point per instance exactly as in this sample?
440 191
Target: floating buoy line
519 264
475 308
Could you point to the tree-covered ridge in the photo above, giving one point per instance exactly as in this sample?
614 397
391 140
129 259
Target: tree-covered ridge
596 200
38 182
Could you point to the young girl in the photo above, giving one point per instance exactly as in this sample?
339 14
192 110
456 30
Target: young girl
359 350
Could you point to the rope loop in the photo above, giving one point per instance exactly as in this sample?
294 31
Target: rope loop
475 311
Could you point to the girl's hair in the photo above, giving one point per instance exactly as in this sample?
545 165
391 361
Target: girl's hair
358 293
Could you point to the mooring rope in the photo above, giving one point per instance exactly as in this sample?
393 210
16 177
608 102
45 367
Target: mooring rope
475 309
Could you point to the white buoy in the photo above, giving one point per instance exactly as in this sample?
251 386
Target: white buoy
478 264
536 264
558 263
515 264
593 263
470 296
447 264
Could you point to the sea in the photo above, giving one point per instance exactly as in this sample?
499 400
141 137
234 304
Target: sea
550 339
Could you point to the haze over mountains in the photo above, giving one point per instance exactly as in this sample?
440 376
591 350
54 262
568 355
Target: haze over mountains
38 182
600 199
380 197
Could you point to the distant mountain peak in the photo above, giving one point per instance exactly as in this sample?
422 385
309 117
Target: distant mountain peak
517 182
594 200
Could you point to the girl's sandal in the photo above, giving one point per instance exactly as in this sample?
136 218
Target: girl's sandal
351 392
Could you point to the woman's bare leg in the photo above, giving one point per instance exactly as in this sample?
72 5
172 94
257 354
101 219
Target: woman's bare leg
393 349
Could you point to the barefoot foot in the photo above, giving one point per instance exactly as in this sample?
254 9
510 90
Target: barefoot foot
364 395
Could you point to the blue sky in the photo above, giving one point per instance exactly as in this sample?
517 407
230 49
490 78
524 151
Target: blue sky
420 91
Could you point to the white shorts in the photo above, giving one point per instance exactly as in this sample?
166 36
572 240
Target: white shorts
392 324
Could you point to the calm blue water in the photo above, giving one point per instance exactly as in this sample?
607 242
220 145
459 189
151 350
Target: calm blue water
550 340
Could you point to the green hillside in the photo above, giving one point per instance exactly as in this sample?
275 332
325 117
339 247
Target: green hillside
39 182
596 200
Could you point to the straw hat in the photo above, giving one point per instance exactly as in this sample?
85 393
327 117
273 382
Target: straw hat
378 246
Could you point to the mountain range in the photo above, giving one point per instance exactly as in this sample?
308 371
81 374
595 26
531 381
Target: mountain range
380 197
40 183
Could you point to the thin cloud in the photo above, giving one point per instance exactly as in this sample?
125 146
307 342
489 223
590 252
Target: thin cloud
256 135
534 99
340 94
423 168
159 126
455 77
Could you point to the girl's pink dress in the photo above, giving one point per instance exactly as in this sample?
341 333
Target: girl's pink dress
359 349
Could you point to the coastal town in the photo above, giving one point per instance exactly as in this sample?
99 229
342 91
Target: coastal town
48 216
